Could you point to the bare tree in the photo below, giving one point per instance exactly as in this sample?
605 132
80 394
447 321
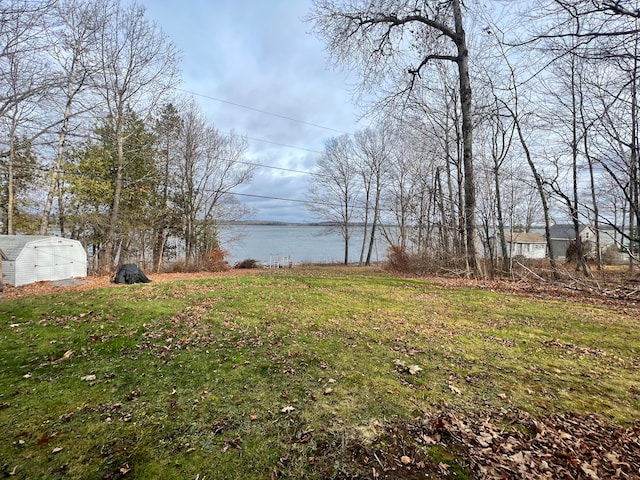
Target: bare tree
377 37
137 65
210 165
25 81
167 130
604 34
336 189
71 39
374 155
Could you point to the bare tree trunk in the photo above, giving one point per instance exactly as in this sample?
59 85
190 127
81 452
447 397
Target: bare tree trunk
346 242
108 254
634 216
543 197
581 263
374 225
11 187
54 177
506 261
467 140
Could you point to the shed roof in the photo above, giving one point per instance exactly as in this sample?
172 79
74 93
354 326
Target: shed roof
12 245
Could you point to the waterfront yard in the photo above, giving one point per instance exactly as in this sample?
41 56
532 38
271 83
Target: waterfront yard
316 373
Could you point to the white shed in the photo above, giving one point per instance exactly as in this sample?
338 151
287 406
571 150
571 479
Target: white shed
31 258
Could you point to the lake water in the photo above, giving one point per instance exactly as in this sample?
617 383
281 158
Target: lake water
301 243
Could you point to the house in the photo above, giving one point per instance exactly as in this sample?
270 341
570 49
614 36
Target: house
563 234
31 258
528 245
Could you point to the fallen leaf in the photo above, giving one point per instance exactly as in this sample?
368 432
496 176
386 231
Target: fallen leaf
88 378
66 356
27 375
406 460
517 458
57 449
455 390
287 409
503 396
414 369
328 391
46 438
586 468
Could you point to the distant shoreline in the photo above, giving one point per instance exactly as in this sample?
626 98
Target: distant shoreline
280 224
287 224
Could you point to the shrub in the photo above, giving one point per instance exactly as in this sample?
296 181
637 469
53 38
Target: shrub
398 259
433 262
611 255
247 263
212 261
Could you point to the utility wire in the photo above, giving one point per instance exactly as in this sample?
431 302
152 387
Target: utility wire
265 112
284 169
276 143
46 169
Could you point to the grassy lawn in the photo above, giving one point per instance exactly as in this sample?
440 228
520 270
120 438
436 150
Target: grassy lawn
289 374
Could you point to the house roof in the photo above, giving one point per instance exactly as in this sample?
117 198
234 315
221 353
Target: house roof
521 237
12 245
566 231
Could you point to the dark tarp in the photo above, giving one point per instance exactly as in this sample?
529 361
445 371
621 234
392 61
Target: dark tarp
130 273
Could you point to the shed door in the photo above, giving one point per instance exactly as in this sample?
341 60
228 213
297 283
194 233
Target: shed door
45 259
64 261
53 262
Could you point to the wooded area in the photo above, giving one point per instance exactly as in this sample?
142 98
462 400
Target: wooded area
492 118
96 144
486 118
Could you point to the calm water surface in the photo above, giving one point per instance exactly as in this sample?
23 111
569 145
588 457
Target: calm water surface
302 243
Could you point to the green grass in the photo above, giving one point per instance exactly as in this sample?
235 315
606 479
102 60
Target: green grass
286 373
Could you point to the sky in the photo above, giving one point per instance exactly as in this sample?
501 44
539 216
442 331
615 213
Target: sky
255 68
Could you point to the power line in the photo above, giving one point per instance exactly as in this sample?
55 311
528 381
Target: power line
48 169
267 197
284 169
277 143
265 112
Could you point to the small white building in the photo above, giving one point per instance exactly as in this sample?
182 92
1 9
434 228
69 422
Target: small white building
31 258
528 245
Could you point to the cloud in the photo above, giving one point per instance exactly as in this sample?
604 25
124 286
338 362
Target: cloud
259 54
